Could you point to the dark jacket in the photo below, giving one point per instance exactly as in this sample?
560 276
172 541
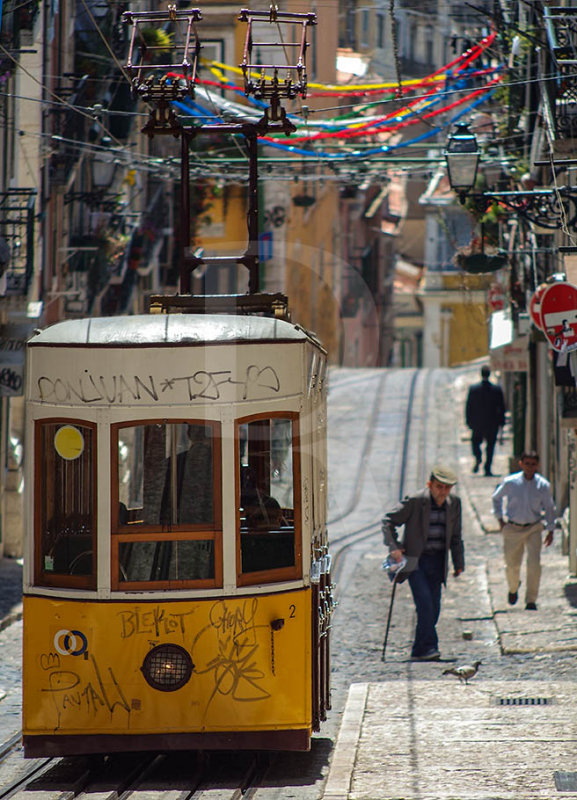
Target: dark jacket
485 409
414 513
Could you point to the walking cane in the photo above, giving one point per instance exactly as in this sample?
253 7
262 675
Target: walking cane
389 617
394 569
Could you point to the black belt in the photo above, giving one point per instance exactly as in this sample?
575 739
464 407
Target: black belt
524 524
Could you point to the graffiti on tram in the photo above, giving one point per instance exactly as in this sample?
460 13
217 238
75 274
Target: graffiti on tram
219 385
233 655
70 691
228 650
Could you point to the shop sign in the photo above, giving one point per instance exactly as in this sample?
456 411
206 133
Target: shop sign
265 246
559 316
512 357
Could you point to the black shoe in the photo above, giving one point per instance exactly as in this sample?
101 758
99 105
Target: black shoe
476 466
488 473
431 655
513 596
531 606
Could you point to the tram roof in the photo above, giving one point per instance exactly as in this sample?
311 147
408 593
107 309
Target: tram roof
159 329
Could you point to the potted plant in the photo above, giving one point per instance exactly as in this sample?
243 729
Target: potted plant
304 200
473 258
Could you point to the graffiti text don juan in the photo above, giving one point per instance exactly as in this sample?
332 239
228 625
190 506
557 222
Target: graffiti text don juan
93 389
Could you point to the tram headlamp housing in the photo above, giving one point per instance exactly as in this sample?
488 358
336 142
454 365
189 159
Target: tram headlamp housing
167 667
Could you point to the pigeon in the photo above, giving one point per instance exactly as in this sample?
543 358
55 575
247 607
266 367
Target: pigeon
464 672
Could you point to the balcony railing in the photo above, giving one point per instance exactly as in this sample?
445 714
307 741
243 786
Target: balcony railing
19 24
560 94
17 227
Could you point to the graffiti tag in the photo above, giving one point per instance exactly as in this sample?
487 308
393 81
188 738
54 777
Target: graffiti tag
118 389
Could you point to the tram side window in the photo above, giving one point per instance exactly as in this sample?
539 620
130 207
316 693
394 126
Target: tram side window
267 495
167 482
65 484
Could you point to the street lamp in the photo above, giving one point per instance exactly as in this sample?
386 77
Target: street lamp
462 155
547 208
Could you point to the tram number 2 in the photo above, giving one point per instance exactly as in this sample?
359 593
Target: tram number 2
293 611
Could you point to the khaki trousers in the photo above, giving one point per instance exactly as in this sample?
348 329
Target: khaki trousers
516 539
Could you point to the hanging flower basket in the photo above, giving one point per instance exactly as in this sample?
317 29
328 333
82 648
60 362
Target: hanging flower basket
481 262
303 200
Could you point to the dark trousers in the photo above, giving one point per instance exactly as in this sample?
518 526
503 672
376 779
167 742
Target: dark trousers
426 583
490 438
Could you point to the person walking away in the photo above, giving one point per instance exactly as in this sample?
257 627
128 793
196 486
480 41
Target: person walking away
485 414
528 504
432 520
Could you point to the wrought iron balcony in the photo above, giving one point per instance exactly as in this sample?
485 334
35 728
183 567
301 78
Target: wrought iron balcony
560 94
17 224
68 128
19 19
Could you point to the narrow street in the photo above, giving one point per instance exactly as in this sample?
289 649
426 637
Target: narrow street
400 729
412 732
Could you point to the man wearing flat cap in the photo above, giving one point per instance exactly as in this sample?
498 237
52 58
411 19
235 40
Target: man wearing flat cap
432 520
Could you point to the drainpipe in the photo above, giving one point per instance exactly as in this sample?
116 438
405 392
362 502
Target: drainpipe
544 400
572 459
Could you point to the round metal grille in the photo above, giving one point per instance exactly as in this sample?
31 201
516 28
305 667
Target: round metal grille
167 667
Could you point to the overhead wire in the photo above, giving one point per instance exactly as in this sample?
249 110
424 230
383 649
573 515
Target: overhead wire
401 85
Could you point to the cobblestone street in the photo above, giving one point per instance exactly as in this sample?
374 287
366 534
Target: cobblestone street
400 729
408 730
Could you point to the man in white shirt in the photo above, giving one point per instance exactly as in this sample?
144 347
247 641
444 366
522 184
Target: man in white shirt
529 510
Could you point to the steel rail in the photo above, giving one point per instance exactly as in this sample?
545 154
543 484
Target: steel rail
345 542
368 443
9 745
34 770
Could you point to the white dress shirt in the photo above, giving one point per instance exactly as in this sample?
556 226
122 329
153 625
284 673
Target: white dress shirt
526 501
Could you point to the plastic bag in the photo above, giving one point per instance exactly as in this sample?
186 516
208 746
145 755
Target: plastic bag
394 569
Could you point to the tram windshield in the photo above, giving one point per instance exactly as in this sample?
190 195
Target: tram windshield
165 474
266 509
168 482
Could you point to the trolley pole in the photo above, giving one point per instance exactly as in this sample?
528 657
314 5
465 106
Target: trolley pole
173 81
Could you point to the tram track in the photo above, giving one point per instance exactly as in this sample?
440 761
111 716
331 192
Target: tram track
418 443
8 746
16 787
341 544
174 776
359 477
407 398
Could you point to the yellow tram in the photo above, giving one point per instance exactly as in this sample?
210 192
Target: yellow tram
177 583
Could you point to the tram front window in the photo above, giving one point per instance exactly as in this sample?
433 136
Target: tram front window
165 474
267 450
65 470
168 502
166 560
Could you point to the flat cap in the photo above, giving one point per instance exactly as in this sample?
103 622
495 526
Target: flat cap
444 474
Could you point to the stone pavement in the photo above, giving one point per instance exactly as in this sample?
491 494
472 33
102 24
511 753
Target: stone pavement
511 732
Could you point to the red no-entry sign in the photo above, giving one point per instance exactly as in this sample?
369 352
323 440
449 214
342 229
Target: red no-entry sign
559 316
535 304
